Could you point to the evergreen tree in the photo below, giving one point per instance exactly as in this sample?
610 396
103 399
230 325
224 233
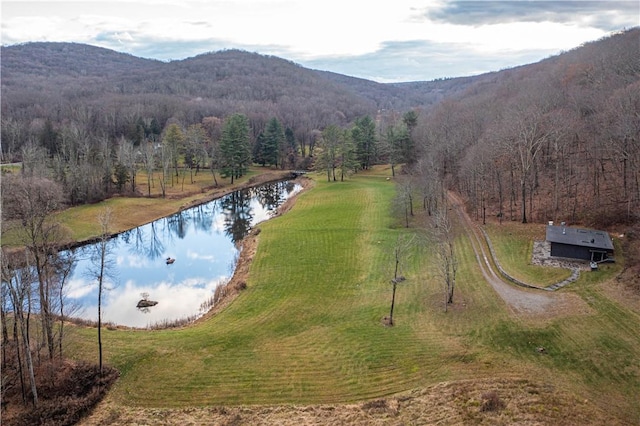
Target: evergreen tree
410 120
363 134
121 176
235 148
154 129
258 148
49 138
398 145
291 147
273 142
347 161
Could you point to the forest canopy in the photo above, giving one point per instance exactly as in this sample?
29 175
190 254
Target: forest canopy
554 140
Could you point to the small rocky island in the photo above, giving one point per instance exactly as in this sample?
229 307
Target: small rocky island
145 302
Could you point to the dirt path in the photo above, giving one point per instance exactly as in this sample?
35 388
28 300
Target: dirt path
448 403
521 301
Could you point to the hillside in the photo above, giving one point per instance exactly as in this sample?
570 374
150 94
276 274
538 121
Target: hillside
46 80
582 104
59 60
69 75
555 140
228 74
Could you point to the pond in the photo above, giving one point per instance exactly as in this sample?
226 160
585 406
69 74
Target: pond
201 241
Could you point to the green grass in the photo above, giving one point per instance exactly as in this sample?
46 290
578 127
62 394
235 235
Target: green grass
513 244
81 222
308 328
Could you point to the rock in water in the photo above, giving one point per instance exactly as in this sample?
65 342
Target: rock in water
144 303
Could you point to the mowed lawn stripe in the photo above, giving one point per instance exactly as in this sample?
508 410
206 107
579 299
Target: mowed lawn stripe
307 329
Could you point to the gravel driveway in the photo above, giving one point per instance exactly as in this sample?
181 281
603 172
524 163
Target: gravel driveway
521 301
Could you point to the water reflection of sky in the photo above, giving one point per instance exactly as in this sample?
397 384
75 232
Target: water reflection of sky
202 242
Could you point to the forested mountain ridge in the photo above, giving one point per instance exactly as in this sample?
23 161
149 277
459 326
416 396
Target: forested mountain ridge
55 60
245 75
550 140
555 140
64 73
63 76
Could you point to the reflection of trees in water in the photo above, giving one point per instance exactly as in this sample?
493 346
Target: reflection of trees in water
148 244
165 231
177 225
237 215
268 196
202 216
152 240
272 195
237 206
236 211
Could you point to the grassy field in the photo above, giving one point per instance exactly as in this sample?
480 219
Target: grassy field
81 222
308 329
513 243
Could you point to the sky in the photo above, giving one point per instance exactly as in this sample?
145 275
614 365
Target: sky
384 41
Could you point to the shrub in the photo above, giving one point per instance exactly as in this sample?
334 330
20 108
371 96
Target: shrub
491 402
76 390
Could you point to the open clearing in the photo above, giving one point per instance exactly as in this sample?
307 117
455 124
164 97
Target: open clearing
305 344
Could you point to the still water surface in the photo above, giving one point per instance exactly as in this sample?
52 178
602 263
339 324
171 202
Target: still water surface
202 242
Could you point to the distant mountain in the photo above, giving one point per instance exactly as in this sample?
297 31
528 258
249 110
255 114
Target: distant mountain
56 60
72 72
584 101
50 81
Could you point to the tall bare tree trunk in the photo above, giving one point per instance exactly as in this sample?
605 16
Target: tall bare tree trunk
104 219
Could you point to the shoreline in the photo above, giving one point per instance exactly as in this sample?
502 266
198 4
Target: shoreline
213 193
248 248
210 195
237 283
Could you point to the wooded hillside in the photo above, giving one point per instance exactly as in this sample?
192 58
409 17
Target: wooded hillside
54 81
555 140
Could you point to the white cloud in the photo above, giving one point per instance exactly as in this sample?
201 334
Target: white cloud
78 288
132 260
327 32
193 255
175 301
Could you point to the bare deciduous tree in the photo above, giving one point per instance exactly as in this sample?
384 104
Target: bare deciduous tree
31 201
400 255
525 136
403 202
149 159
444 239
102 269
18 284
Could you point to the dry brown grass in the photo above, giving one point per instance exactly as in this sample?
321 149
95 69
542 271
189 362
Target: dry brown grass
521 401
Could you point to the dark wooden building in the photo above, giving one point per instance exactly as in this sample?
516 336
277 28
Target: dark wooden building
576 243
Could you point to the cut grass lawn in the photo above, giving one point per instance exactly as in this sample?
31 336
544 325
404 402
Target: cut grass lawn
308 329
513 244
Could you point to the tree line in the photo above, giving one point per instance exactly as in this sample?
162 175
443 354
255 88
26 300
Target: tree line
557 140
